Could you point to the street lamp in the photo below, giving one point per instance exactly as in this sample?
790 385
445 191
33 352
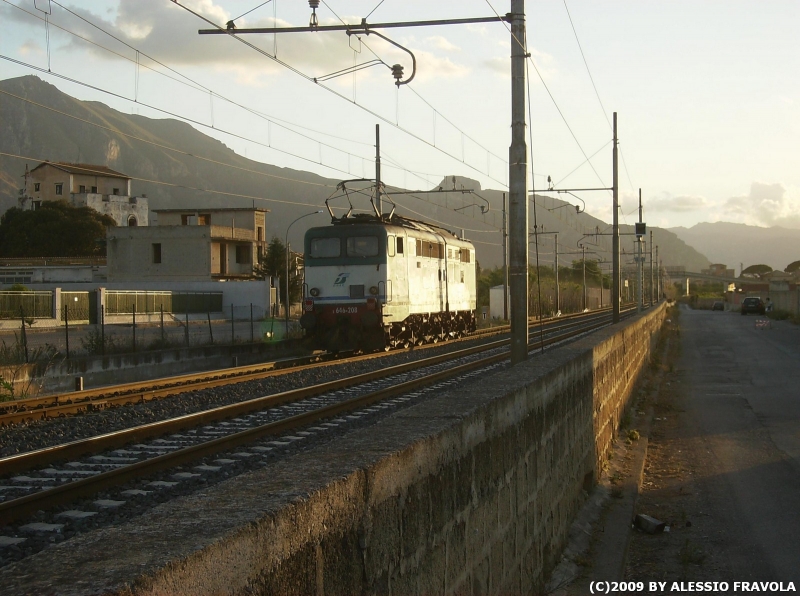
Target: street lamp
286 245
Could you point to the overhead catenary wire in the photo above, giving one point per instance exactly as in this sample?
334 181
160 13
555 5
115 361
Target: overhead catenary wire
173 184
232 33
160 145
549 93
596 92
186 80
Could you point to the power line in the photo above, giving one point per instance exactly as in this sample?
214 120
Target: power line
159 145
596 92
174 185
549 93
188 81
232 33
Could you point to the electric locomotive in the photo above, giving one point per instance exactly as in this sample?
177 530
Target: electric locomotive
376 283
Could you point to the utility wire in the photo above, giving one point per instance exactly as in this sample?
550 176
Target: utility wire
552 98
159 145
187 81
173 184
251 10
596 92
331 90
425 101
374 9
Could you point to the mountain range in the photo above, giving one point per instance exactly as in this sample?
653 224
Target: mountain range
177 166
739 246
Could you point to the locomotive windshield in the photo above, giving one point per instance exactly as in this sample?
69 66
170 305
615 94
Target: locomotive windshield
322 248
362 246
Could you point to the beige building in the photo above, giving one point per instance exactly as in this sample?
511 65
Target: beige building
188 245
85 185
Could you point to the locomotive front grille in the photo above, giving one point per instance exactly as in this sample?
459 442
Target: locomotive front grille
357 291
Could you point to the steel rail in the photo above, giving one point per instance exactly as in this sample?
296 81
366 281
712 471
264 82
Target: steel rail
45 499
62 404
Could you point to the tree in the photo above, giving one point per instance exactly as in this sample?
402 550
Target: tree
792 267
757 270
272 263
56 229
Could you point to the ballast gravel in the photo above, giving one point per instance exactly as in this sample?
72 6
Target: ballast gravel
39 434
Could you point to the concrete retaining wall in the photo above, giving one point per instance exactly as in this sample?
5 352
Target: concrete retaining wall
471 491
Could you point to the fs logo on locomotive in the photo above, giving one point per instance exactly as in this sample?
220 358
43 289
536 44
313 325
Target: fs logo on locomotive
340 279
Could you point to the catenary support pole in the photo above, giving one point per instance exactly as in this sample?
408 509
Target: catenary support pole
378 205
555 266
505 261
518 189
639 263
615 235
652 288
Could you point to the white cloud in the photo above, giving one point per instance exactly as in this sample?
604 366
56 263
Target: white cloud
31 47
679 204
442 43
766 204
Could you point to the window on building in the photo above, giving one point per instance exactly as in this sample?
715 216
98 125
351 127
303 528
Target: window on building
115 191
157 253
132 223
243 254
59 188
204 219
260 233
94 189
82 189
36 187
185 219
36 205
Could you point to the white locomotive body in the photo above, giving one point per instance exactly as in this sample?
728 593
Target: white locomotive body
373 284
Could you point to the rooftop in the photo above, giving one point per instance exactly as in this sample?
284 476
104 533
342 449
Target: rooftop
83 168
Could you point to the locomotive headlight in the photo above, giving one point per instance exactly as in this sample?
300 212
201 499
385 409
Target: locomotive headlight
373 290
314 292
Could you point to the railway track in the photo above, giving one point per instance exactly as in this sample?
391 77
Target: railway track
48 478
78 402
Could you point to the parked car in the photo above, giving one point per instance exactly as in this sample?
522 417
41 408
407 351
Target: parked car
754 305
718 305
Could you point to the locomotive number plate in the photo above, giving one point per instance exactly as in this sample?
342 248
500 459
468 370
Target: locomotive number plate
345 310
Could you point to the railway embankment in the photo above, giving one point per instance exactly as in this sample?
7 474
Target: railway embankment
473 489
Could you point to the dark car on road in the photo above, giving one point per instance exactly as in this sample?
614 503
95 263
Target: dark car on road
754 305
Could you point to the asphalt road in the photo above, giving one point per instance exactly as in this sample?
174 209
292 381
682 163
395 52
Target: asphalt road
742 385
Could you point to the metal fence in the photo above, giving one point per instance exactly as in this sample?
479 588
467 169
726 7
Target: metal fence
14 305
134 332
151 302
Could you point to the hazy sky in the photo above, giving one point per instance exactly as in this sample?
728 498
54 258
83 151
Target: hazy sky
707 93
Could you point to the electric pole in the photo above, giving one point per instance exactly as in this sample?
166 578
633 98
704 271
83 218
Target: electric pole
505 261
658 294
639 276
615 235
378 207
518 189
652 288
583 260
558 290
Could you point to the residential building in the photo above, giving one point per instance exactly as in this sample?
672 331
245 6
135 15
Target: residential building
188 245
85 185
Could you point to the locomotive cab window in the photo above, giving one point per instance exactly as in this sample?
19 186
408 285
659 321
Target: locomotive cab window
399 246
362 246
322 248
390 246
